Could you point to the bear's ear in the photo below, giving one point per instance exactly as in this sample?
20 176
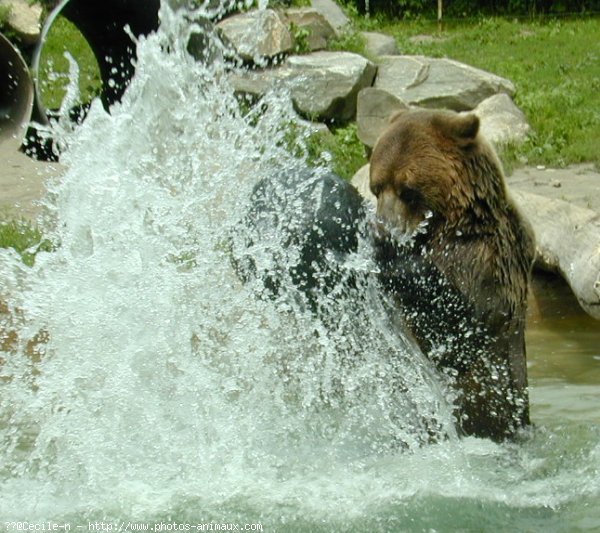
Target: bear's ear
460 127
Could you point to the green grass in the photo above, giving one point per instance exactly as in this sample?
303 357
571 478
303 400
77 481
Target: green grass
340 148
54 67
4 14
347 152
24 238
555 66
349 41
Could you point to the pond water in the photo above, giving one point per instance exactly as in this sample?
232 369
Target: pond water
162 390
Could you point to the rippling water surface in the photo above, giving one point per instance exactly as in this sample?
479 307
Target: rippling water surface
142 382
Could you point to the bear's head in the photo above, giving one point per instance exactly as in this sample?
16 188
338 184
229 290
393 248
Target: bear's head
419 166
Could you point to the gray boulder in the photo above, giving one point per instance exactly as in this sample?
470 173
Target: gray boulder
360 180
318 29
25 19
256 83
568 242
379 44
502 122
373 110
257 34
333 13
323 85
326 84
438 83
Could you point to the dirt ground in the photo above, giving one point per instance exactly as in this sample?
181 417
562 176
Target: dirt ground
22 183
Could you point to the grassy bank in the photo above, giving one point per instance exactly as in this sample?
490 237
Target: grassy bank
554 64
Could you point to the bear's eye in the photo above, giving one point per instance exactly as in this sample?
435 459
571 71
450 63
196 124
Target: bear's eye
409 196
376 189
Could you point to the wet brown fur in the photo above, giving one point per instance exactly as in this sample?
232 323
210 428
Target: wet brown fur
432 161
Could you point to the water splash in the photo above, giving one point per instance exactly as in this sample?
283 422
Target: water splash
140 377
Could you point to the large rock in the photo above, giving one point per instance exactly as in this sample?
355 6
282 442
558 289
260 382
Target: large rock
257 34
255 83
323 85
379 44
568 242
24 19
502 122
326 84
333 13
438 83
576 184
313 22
360 180
373 110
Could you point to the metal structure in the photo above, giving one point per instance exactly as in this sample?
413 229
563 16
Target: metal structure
16 94
103 25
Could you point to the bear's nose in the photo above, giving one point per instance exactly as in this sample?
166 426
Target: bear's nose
381 230
389 212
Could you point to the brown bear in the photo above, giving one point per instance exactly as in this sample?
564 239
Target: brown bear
461 281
